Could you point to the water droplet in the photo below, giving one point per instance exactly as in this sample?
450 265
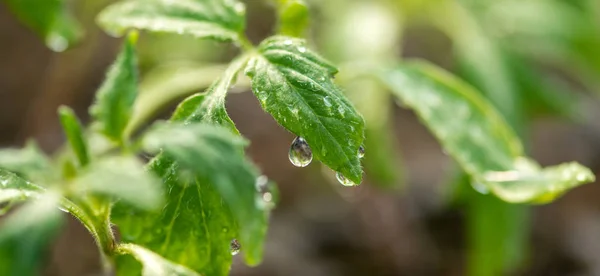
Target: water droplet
225 230
4 182
262 183
480 187
57 43
288 42
343 180
300 153
341 110
294 111
235 247
326 101
361 152
302 49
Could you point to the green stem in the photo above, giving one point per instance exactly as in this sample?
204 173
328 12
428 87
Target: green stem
98 226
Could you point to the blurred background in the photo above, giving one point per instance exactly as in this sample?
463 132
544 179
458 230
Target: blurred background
538 61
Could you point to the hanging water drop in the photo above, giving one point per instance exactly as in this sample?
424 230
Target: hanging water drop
361 152
480 187
262 187
343 180
235 247
300 154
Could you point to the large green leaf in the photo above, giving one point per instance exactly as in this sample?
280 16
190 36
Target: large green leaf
193 229
115 98
471 130
215 155
14 188
123 178
217 19
73 131
48 18
26 234
295 86
29 162
152 263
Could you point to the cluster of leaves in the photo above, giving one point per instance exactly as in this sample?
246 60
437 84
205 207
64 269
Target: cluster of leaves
178 214
171 213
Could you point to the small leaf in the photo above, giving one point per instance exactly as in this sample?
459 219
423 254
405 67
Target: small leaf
474 133
293 17
74 134
295 86
124 178
14 188
210 106
215 155
26 234
50 20
115 98
217 19
152 263
29 162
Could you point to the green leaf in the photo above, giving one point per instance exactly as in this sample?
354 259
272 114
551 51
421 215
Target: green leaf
49 19
29 162
74 134
467 125
14 188
122 177
215 155
152 263
194 228
295 86
216 19
209 107
115 98
26 234
476 136
528 182
293 17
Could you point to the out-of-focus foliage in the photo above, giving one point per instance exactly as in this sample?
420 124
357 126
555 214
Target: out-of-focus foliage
50 19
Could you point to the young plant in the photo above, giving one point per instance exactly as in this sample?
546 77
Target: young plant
170 212
199 200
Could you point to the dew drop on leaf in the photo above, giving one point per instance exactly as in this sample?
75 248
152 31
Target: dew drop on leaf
343 180
300 153
302 49
480 187
288 42
235 247
265 197
361 152
326 101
